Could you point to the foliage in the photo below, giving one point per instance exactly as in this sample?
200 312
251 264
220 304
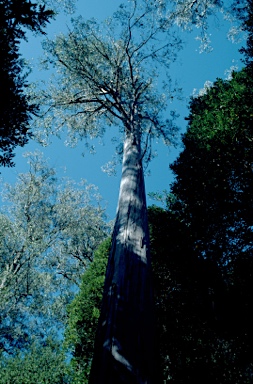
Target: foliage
183 309
121 87
133 50
200 335
202 244
15 110
83 314
41 364
48 234
247 19
204 271
59 6
213 173
23 14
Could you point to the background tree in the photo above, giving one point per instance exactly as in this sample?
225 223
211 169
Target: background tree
15 110
212 201
42 363
216 165
244 14
190 295
202 244
83 314
48 233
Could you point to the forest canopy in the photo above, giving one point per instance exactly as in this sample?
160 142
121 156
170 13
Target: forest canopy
64 273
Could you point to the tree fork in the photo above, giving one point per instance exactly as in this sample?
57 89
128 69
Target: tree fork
124 340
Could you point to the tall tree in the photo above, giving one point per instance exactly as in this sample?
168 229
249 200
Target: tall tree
107 75
15 110
48 232
212 197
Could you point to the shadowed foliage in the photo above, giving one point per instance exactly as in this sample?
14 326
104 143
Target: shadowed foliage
15 111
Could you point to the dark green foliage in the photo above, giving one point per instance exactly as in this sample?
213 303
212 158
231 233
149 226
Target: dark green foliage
83 314
199 336
19 14
214 172
245 14
205 243
41 364
15 111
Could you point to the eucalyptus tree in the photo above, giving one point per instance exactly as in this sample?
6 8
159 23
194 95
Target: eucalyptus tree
48 234
108 74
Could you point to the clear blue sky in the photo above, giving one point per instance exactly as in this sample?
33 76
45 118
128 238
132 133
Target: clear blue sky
191 70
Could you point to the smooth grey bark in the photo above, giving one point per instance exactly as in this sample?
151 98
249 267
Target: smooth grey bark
124 341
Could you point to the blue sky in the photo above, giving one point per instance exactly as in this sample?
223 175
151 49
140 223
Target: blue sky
191 70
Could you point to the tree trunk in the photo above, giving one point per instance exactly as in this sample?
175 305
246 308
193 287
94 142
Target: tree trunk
124 341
